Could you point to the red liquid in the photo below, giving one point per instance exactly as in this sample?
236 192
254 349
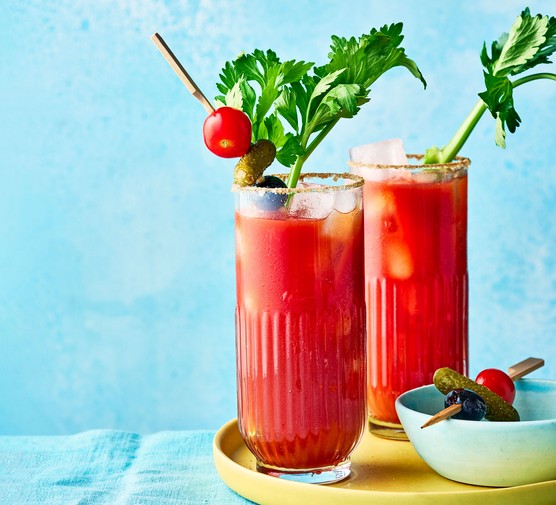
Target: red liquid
300 329
416 285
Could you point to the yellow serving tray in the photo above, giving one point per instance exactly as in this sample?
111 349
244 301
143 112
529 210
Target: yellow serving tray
384 472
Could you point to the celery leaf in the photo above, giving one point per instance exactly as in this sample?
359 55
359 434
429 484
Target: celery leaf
309 99
524 40
530 42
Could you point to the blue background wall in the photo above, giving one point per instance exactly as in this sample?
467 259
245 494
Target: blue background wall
116 233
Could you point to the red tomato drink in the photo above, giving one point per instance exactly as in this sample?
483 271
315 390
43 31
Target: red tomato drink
416 281
300 329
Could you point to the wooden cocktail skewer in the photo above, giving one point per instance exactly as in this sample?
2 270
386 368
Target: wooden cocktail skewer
515 372
450 411
182 73
524 367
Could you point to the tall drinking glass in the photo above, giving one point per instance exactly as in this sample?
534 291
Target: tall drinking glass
300 325
416 280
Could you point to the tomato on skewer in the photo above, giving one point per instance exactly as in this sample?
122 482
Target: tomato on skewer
498 382
227 132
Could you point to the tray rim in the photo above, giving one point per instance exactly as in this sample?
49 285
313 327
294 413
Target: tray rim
262 488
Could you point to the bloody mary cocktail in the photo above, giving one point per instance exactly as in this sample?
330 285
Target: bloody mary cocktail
300 328
416 280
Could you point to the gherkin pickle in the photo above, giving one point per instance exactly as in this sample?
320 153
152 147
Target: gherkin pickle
446 379
253 163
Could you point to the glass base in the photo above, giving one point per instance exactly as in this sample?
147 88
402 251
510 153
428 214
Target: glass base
324 475
384 429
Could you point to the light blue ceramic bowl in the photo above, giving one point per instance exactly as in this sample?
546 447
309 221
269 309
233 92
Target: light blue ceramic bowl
486 453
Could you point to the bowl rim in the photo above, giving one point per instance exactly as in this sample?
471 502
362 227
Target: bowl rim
483 425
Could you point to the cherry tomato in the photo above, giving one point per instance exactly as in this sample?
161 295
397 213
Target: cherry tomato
227 132
498 382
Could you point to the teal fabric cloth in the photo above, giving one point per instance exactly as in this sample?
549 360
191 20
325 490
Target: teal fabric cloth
112 467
